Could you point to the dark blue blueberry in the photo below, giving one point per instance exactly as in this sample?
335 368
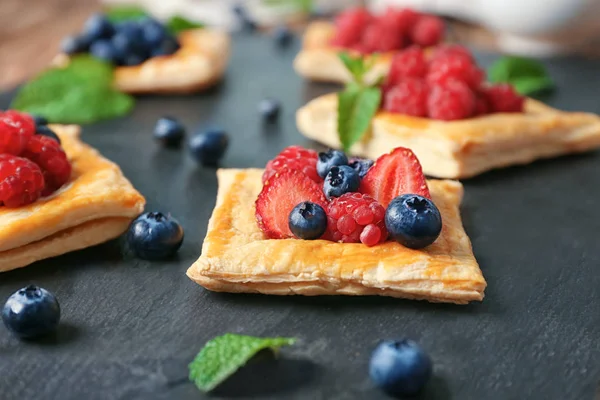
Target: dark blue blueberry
153 32
132 59
361 165
131 29
308 221
282 35
45 131
269 109
123 45
104 50
413 221
400 368
169 45
75 44
31 312
39 120
209 147
169 131
328 159
98 27
154 236
340 179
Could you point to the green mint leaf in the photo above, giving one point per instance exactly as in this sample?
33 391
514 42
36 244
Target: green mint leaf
302 5
125 13
526 75
356 108
177 24
80 93
355 65
532 85
223 355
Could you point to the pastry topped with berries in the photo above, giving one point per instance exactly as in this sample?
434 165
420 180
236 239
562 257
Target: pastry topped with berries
374 37
56 193
322 223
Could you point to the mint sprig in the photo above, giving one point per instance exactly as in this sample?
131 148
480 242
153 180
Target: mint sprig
357 103
222 356
526 75
177 24
123 13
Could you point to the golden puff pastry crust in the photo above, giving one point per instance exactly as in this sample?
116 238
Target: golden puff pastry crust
96 205
464 148
236 257
198 64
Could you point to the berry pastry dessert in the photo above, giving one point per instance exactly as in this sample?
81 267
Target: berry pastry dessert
438 104
150 59
56 193
316 224
374 37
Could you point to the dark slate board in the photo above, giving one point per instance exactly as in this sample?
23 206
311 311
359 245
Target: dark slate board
130 327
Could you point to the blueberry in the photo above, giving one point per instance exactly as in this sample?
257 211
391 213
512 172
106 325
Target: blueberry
169 131
45 131
269 109
169 45
39 120
154 236
104 50
400 368
328 159
123 44
340 179
31 312
132 59
75 44
208 147
153 32
413 221
308 221
131 29
282 35
98 27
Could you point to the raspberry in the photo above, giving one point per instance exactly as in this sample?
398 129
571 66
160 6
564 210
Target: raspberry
350 25
381 36
453 100
21 181
407 97
482 106
409 63
404 18
451 67
355 218
15 130
427 31
504 98
452 50
296 158
51 159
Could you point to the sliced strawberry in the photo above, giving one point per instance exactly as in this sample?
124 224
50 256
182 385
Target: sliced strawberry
395 174
284 191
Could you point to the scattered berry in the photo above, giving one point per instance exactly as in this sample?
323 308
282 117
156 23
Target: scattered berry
295 158
154 236
282 35
409 63
413 221
45 131
209 147
400 368
394 174
31 312
409 97
269 109
339 180
427 31
169 131
454 68
308 221
39 120
504 98
21 181
356 218
52 160
451 101
361 165
350 25
280 194
15 130
98 27
328 159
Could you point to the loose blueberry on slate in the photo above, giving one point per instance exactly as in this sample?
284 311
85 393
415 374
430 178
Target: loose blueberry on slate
329 159
340 179
361 165
98 27
209 147
104 50
400 368
308 221
169 131
39 120
413 221
31 312
282 35
269 109
45 131
75 44
154 236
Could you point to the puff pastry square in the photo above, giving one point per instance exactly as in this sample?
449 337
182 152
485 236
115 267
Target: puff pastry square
463 148
96 205
236 257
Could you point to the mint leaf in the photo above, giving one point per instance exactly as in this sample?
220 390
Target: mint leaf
355 65
356 108
177 24
80 93
222 356
532 85
526 75
125 13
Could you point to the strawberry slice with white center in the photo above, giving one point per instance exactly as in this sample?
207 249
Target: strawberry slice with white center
280 194
395 174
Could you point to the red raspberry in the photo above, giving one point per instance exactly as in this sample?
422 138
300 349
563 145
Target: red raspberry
453 100
15 130
504 98
21 181
409 63
404 18
452 67
294 157
407 97
452 50
482 106
350 25
427 31
355 218
381 36
52 160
